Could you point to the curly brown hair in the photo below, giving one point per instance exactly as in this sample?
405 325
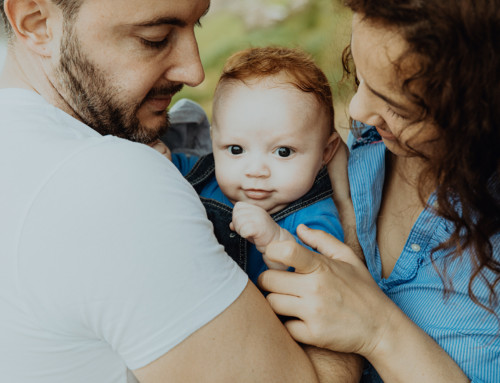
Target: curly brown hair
300 69
458 46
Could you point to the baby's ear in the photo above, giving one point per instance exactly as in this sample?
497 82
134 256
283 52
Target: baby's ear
32 22
331 147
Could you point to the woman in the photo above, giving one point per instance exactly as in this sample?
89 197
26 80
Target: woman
424 179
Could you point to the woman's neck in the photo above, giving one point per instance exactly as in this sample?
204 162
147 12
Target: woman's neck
407 172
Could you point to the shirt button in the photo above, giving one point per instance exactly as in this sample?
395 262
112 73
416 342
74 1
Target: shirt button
415 247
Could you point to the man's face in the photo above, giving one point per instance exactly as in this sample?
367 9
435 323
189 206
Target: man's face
121 61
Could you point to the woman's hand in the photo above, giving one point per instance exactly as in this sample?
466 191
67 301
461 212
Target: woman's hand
338 304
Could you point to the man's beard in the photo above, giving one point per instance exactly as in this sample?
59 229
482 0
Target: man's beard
95 101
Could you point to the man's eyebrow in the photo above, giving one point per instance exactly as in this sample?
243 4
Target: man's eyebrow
162 21
387 99
166 21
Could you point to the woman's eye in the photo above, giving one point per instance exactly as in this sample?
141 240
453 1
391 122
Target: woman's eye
235 149
284 151
395 114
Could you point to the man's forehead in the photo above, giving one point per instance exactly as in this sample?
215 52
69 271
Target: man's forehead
147 12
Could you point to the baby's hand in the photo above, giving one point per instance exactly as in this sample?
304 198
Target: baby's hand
256 225
159 146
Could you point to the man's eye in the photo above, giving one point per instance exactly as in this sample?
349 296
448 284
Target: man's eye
283 152
235 149
155 44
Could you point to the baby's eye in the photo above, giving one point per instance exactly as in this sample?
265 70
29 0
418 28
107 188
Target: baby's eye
235 149
284 151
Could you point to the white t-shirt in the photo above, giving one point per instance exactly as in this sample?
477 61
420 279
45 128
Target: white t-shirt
107 260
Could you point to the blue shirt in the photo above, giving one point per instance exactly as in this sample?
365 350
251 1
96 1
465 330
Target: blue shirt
321 215
468 333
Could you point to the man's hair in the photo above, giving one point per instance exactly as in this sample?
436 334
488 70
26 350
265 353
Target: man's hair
68 7
457 86
299 69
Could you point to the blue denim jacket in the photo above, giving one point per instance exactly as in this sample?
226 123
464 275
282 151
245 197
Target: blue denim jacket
468 333
315 209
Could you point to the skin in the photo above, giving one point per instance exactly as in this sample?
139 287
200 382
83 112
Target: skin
261 139
333 311
135 63
109 36
263 135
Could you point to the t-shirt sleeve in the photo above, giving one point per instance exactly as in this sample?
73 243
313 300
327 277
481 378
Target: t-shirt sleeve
117 247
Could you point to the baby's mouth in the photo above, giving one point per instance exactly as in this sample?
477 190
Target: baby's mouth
257 193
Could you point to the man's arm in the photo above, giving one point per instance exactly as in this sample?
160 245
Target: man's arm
333 367
245 343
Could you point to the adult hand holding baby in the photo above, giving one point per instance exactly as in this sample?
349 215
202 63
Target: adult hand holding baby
332 312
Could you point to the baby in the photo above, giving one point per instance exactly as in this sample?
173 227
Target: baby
272 135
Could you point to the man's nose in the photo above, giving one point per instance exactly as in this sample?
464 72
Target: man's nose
184 62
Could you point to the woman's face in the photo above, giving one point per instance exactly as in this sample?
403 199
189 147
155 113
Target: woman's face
379 100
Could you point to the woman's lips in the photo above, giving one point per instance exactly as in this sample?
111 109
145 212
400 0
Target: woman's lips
385 134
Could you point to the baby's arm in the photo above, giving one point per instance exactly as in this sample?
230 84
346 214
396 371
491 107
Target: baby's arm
256 225
159 146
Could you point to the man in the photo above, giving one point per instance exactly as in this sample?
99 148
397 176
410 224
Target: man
107 262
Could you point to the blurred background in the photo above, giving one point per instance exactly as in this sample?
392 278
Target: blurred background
320 27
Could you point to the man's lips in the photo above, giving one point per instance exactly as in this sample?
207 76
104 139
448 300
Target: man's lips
257 193
159 103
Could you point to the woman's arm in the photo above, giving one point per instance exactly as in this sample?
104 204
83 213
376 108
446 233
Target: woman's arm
337 170
340 307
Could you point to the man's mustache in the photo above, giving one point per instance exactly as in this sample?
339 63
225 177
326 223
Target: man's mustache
168 90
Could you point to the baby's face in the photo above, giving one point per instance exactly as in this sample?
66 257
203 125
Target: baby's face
269 142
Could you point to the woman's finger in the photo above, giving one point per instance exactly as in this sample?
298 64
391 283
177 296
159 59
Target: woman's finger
293 254
287 305
281 282
326 244
299 331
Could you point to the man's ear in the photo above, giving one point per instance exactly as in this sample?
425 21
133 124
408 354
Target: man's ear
31 23
331 147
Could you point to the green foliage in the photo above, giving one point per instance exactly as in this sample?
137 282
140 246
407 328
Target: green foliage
322 28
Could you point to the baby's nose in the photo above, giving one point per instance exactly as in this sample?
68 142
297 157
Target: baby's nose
258 168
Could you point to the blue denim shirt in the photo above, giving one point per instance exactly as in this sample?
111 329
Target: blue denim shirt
468 333
315 209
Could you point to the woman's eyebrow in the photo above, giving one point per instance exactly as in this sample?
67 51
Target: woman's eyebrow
387 99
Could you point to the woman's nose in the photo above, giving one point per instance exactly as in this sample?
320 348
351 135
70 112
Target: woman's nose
363 109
